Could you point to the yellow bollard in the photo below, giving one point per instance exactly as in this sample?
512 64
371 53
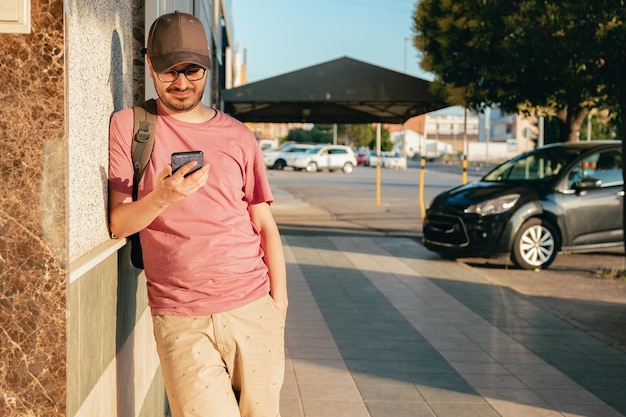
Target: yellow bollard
421 192
378 183
464 175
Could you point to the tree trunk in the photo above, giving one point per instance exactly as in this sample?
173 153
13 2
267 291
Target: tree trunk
622 105
570 120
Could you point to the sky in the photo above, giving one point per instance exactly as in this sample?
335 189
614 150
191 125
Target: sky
281 36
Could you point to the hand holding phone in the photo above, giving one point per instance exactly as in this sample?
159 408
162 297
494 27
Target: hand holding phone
181 158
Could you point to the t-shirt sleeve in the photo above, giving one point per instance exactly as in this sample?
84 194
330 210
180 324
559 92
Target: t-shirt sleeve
257 188
120 160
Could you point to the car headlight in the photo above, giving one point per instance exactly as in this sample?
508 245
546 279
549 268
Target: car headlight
494 206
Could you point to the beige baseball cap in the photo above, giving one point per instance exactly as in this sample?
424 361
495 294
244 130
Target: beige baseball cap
175 38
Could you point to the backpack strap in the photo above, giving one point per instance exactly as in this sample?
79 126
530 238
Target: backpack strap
143 140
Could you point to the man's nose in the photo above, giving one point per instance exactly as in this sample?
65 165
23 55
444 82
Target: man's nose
181 82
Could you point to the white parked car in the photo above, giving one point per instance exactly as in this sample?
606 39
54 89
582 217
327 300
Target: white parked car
277 158
370 159
387 160
393 160
330 157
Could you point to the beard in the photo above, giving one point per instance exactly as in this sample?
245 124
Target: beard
181 105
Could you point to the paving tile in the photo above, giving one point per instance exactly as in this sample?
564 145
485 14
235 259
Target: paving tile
513 409
542 382
290 407
454 409
477 368
315 352
326 408
533 369
391 391
558 397
455 356
398 409
522 396
327 392
449 381
466 395
494 381
294 342
589 411
325 376
290 390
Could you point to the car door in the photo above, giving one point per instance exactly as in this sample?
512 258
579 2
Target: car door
593 214
337 158
322 158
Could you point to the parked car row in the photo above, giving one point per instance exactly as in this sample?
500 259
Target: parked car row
311 157
316 157
560 197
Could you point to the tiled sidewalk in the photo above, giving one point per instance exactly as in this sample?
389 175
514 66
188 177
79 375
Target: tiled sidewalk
380 327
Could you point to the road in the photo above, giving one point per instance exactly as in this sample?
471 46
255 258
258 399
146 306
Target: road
573 288
352 198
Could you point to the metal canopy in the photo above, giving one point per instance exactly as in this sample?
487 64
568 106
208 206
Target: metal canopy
341 91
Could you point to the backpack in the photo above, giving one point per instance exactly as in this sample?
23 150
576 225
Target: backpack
144 128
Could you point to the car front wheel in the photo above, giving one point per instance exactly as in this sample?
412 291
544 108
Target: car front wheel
280 164
348 168
535 245
311 167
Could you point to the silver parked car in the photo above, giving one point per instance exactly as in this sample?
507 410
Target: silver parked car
330 157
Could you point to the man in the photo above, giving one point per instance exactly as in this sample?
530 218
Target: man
212 252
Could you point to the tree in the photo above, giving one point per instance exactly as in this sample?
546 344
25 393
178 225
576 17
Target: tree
358 135
559 59
355 135
318 134
386 145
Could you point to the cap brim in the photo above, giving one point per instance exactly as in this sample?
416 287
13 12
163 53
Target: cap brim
165 62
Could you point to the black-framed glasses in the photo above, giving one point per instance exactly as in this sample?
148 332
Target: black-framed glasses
194 73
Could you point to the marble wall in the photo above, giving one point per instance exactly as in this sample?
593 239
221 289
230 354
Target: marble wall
33 217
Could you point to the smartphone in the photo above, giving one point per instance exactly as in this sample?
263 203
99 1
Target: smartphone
181 158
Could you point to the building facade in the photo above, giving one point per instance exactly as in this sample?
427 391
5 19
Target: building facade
491 136
437 133
503 136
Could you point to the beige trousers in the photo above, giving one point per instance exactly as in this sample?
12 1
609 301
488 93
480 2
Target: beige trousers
225 365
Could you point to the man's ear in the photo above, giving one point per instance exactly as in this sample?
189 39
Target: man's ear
151 71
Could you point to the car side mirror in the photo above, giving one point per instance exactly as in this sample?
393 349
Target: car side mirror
588 183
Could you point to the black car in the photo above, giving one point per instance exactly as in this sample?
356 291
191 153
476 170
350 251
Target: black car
559 197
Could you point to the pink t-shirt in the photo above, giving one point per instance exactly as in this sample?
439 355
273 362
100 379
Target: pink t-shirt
201 255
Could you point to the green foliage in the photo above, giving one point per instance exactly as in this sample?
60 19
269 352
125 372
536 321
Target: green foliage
318 134
602 127
559 59
385 144
354 135
361 135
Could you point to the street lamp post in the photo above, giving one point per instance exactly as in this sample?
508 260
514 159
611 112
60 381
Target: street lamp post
408 38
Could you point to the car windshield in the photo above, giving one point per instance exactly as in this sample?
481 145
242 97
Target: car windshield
284 146
314 150
537 165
